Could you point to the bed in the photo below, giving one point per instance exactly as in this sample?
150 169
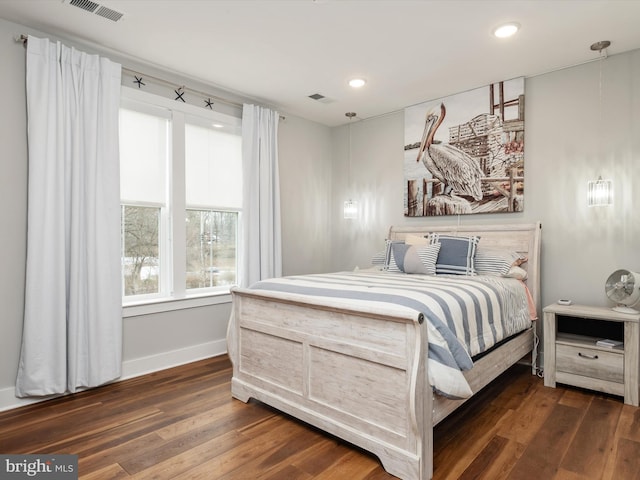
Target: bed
362 370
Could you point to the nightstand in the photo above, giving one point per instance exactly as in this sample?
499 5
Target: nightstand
572 357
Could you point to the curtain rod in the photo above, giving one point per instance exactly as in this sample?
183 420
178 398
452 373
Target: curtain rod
181 87
24 38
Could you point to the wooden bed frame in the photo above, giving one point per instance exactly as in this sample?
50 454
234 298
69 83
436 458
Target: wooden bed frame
360 374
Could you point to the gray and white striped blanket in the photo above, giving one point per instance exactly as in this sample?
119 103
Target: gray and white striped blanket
465 315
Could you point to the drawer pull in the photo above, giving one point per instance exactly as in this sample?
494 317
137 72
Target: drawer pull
590 357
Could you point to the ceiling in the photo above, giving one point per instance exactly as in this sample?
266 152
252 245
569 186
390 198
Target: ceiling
278 52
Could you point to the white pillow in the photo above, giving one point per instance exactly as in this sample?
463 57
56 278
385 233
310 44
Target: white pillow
416 240
517 272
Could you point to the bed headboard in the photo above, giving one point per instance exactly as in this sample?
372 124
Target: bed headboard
521 238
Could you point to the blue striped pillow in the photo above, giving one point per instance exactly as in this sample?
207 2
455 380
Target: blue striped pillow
390 262
491 261
456 255
379 259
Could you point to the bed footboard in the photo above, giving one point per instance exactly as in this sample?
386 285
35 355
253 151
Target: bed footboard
357 374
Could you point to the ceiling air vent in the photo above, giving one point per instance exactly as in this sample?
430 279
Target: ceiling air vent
320 98
98 9
109 13
87 5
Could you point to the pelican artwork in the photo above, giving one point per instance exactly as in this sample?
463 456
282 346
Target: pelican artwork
458 172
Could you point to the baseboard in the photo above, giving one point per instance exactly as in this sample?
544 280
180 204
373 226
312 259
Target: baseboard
174 358
8 399
134 368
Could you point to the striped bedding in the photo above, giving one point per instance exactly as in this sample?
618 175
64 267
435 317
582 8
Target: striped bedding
465 315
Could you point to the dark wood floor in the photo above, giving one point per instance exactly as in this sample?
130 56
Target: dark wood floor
182 423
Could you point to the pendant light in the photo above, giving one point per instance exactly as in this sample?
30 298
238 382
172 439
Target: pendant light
350 206
600 192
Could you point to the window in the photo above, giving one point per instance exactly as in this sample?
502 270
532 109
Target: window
144 157
213 201
181 196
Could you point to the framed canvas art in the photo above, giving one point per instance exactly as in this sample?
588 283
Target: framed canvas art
464 154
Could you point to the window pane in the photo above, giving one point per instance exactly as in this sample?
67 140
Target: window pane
144 149
140 260
213 167
211 248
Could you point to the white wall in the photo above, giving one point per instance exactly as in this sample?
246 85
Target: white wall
304 154
566 145
569 145
13 198
376 180
163 339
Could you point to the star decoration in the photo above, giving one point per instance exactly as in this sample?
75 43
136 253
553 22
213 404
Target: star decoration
180 93
138 81
208 103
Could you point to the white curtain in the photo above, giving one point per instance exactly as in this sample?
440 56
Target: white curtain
261 195
72 333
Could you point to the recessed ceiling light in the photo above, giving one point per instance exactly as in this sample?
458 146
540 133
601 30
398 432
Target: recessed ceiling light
357 82
217 125
506 30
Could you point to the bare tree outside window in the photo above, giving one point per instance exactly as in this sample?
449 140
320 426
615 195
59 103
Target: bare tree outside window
140 259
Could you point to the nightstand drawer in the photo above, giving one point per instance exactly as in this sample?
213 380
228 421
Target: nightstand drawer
591 363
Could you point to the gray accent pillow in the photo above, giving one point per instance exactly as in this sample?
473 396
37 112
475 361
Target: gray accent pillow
415 258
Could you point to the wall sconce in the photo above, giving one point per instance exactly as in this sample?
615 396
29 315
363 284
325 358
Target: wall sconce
600 193
350 206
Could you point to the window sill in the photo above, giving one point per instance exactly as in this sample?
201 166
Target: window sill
169 305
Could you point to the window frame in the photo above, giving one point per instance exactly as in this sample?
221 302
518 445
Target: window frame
173 293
